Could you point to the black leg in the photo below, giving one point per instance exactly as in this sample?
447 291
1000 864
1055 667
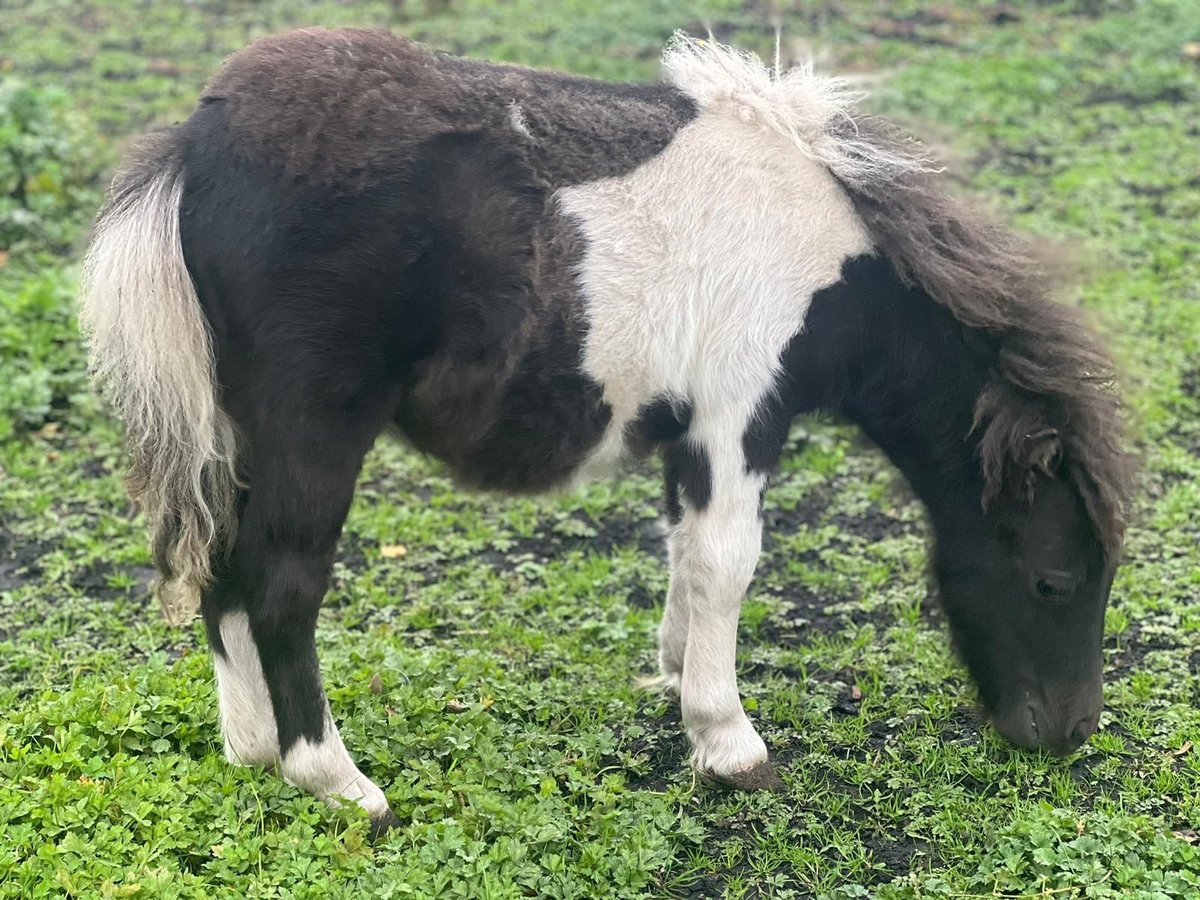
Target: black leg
262 610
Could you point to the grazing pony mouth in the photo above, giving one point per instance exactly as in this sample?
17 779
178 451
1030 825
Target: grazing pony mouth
1057 728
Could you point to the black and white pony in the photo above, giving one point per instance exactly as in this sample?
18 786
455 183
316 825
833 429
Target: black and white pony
532 276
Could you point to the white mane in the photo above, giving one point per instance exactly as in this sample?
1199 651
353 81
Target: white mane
815 113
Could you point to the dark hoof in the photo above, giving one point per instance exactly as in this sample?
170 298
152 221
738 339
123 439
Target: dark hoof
381 825
757 778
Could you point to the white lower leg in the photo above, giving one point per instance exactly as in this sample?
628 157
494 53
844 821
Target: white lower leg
325 770
673 635
247 717
716 554
723 740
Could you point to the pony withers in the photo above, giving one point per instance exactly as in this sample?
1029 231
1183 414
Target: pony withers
532 276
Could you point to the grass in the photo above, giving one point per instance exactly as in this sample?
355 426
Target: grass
481 654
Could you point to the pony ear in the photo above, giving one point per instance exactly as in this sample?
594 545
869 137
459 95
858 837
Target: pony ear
1017 445
1042 453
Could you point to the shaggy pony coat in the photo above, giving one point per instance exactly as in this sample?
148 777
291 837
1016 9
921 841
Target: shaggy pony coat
534 277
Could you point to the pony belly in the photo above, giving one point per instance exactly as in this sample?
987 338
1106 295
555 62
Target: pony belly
531 435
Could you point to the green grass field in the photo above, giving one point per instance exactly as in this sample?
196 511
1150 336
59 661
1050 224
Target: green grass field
481 654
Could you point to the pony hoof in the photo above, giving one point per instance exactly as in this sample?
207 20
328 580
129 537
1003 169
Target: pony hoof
382 824
760 777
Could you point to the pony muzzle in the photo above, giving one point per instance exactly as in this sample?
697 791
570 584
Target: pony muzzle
1059 727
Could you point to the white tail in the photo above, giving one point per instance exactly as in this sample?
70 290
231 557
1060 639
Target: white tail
150 352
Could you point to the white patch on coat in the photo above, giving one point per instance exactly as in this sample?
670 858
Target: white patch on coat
673 630
324 769
699 268
715 552
247 716
700 265
516 119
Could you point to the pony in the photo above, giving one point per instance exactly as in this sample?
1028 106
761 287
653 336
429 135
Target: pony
534 277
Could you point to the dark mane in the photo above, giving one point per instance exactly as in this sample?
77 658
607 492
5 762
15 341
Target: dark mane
1051 370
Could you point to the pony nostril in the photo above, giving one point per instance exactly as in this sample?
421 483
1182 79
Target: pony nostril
1083 728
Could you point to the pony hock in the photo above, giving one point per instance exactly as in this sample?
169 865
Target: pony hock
532 276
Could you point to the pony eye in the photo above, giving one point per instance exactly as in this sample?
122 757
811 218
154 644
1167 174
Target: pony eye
1055 589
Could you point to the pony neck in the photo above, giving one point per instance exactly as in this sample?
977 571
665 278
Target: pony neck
892 361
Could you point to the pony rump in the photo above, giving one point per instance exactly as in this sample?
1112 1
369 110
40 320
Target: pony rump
150 352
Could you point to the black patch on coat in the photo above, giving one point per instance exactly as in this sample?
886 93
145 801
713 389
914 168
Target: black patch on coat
502 399
671 496
394 180
688 477
310 294
663 424
888 358
659 422
763 440
1051 372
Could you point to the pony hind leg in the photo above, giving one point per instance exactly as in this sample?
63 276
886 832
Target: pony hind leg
261 610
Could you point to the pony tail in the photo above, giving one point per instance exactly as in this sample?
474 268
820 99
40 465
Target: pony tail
150 353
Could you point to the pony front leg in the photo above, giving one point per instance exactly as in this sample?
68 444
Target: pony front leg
673 633
714 550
